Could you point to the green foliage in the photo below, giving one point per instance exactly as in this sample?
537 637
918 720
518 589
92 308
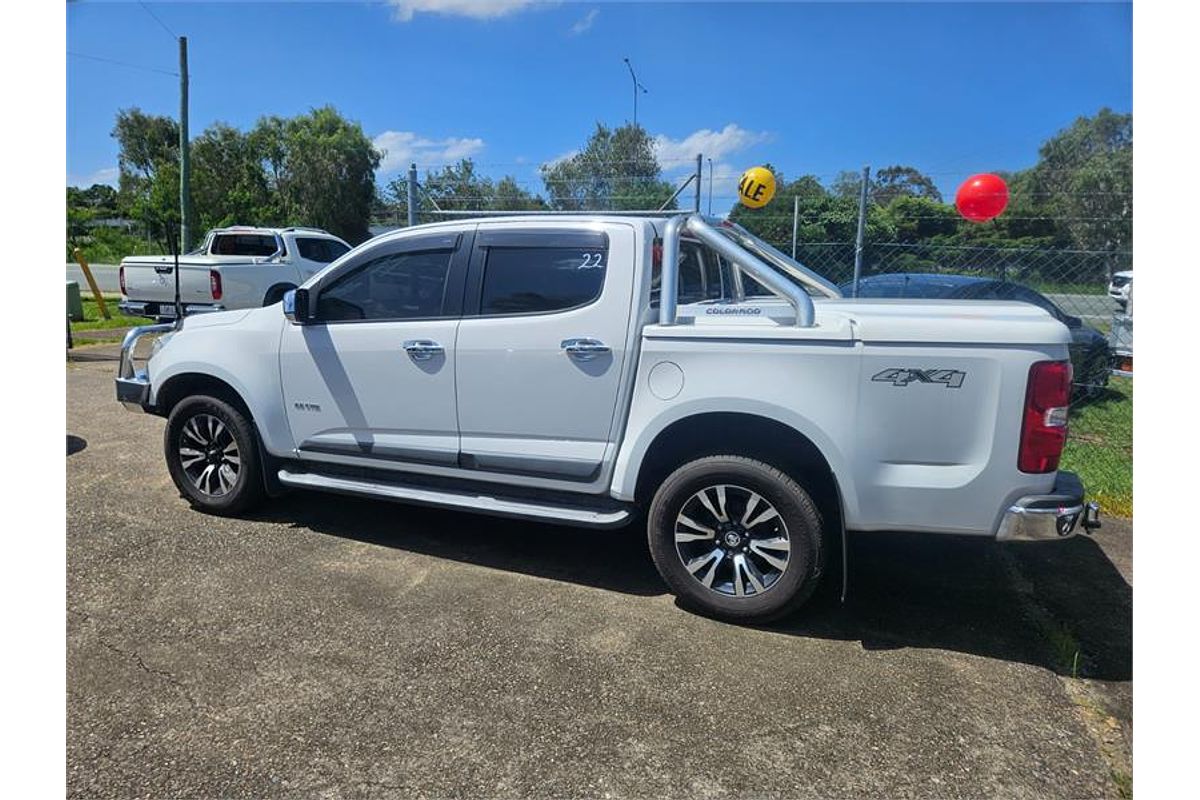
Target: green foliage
324 171
229 184
313 169
616 170
460 187
894 182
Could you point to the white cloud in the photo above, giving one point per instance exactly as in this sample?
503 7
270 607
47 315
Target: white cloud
560 158
476 9
585 22
713 144
678 158
400 148
109 175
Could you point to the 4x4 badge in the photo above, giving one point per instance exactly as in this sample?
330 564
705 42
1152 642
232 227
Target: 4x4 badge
950 378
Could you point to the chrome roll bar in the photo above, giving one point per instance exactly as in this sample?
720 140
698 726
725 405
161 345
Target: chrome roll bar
743 260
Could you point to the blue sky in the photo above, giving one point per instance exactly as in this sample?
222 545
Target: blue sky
951 88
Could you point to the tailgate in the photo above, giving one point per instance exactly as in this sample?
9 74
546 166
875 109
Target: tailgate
152 280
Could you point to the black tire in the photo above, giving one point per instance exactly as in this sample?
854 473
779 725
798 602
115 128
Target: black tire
801 524
246 489
276 293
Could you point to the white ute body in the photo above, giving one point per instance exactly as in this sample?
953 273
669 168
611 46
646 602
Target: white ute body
253 267
493 411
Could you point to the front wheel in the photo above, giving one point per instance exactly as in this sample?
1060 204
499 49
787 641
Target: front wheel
212 456
736 539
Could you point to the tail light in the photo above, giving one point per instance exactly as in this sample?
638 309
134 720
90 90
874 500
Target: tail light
121 278
1044 427
214 283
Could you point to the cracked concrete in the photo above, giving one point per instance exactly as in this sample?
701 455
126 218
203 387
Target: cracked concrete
331 647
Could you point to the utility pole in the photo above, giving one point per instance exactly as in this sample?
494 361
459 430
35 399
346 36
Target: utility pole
636 87
185 157
710 171
862 224
412 194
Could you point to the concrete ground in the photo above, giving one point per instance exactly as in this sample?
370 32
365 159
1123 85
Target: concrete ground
334 647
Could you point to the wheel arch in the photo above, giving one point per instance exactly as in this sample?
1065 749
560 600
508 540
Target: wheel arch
746 434
283 287
189 384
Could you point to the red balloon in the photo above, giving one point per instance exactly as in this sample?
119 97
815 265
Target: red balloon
982 197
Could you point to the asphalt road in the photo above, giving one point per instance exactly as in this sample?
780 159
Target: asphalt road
106 275
333 647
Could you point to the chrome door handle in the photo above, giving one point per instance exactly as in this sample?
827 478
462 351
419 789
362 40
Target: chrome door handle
422 349
584 349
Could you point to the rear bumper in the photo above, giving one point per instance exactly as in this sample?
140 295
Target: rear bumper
1056 515
137 308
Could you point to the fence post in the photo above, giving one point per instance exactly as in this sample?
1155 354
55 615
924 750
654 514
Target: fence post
699 174
862 224
795 223
412 194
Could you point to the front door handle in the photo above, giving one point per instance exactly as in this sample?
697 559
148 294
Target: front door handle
584 349
422 349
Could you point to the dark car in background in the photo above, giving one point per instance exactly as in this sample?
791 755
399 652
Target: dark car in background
1089 348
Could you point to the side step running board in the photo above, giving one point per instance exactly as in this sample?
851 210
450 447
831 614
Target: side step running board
462 501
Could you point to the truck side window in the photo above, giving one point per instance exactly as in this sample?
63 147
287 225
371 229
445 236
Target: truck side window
322 251
699 275
396 286
525 280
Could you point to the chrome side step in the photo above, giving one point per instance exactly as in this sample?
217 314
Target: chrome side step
461 501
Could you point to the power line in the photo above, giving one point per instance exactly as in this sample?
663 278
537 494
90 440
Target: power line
170 32
123 64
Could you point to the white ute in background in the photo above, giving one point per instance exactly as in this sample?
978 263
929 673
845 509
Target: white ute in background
598 369
239 267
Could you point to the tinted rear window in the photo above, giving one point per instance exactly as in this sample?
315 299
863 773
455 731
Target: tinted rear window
524 280
243 244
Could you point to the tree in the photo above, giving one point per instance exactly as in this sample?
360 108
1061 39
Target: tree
229 182
460 187
1085 177
920 219
148 160
616 170
902 181
322 169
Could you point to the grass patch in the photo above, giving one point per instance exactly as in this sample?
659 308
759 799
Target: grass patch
1100 447
93 321
1048 287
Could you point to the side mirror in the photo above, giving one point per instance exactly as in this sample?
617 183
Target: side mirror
295 306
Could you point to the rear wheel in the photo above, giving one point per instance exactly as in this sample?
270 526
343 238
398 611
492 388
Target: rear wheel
212 456
736 538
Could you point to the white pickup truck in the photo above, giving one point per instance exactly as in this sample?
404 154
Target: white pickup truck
590 369
238 267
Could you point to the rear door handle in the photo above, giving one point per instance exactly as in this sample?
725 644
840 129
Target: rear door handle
422 349
584 349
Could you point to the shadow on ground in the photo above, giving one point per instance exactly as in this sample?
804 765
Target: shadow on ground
1059 605
75 444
